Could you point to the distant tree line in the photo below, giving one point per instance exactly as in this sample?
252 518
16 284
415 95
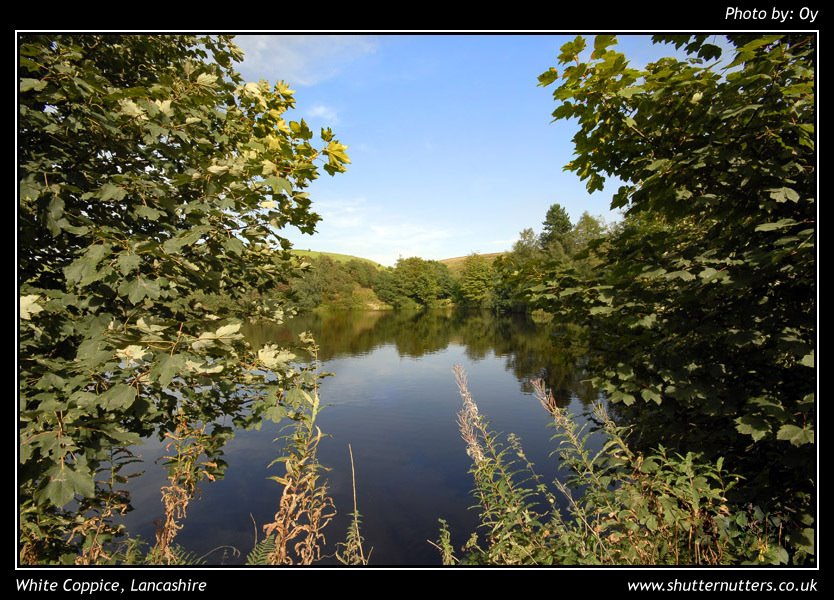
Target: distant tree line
413 283
500 285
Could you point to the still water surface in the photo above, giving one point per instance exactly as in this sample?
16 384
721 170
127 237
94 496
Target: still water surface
393 398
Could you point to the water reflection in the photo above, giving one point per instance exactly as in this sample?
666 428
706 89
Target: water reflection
547 351
393 398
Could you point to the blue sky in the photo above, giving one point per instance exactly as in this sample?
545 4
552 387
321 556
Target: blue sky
451 141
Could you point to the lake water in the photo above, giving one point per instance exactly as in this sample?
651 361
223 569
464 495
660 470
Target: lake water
394 399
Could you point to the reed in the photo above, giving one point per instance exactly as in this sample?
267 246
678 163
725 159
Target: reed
614 506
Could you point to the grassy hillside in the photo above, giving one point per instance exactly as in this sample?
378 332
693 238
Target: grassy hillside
342 258
456 264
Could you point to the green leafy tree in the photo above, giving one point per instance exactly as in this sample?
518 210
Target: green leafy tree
362 272
415 282
476 281
152 181
324 281
704 307
443 278
527 249
587 229
586 241
515 270
386 287
555 228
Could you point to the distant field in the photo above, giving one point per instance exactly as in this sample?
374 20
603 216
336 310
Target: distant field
456 264
343 258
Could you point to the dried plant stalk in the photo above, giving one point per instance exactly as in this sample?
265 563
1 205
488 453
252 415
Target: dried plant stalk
185 470
305 508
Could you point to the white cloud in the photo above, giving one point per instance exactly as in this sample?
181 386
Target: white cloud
385 243
325 112
343 214
301 60
355 226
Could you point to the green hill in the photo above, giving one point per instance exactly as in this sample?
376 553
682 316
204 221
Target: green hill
342 258
456 264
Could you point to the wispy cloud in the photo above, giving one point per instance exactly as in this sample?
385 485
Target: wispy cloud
343 214
301 60
385 243
325 112
353 226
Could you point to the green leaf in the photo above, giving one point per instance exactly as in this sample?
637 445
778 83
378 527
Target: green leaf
131 354
207 80
780 224
619 396
685 275
119 396
127 263
784 194
707 273
276 413
601 42
85 400
27 84
648 321
140 288
126 438
168 367
795 435
147 212
29 306
571 50
83 270
186 238
65 482
92 353
130 109
53 215
808 360
752 425
279 184
295 398
804 540
650 394
272 357
223 334
227 331
548 77
658 164
630 91
111 192
336 150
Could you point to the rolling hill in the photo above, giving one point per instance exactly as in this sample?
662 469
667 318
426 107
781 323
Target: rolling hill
342 258
456 264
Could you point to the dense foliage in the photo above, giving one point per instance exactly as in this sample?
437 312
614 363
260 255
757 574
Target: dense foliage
703 305
533 256
476 282
153 185
413 283
698 310
416 283
616 506
323 281
555 229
